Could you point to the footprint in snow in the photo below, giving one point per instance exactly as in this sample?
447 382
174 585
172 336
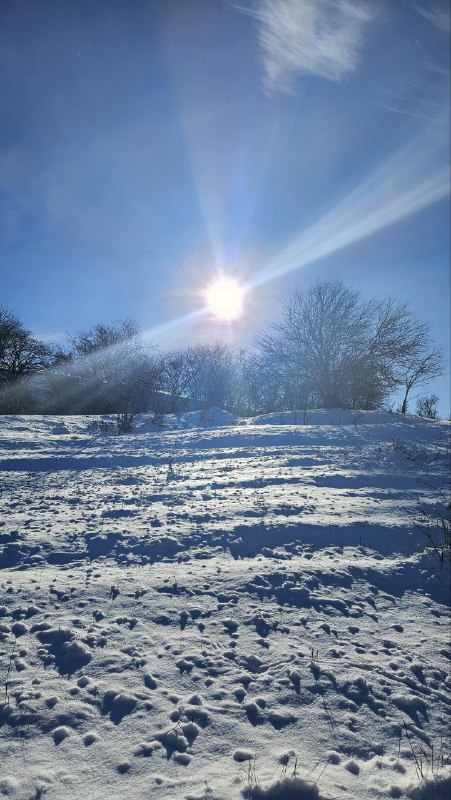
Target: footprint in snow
178 739
89 738
352 767
61 648
118 705
243 755
280 720
184 666
230 625
147 749
60 733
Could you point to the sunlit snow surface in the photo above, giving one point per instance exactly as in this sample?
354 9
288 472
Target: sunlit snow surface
187 611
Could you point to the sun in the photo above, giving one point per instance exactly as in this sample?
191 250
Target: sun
224 298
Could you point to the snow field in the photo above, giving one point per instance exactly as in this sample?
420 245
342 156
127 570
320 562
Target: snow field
259 621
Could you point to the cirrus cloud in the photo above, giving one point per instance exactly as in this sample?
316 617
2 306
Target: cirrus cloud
320 37
436 13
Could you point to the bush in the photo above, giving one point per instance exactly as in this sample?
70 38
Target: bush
434 522
124 422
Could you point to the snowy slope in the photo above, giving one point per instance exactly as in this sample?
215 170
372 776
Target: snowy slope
223 608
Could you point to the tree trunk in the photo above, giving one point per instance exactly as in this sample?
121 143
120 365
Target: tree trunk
404 403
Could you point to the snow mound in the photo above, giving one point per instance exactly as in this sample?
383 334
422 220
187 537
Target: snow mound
185 420
335 416
208 418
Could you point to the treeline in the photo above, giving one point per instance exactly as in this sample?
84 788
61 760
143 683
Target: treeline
329 348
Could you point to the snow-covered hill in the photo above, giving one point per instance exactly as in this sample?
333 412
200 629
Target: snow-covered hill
223 608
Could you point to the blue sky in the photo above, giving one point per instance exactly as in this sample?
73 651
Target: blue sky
145 145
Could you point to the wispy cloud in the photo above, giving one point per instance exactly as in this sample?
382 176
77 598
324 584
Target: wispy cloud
320 37
436 13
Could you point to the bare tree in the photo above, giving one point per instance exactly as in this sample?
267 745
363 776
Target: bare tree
175 379
102 337
343 351
209 374
111 371
418 370
22 356
427 406
404 348
21 353
315 346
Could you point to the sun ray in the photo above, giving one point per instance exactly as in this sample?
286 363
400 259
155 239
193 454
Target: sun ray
410 180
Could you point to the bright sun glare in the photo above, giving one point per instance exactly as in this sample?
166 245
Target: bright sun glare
224 298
